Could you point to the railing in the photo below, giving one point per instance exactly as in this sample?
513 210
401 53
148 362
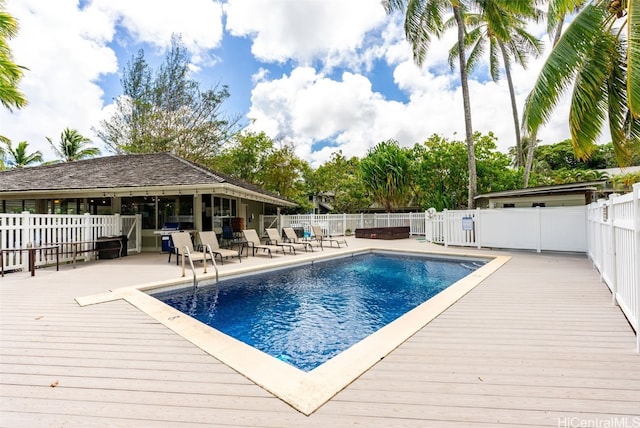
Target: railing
26 230
614 248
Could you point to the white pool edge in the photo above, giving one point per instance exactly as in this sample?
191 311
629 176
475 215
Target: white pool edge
304 391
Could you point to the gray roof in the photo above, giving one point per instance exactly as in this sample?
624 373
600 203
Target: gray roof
117 172
558 188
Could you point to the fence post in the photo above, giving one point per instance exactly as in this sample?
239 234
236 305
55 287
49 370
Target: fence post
477 228
539 211
614 257
117 225
445 227
636 229
344 223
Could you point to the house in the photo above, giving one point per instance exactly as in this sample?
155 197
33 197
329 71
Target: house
561 195
161 187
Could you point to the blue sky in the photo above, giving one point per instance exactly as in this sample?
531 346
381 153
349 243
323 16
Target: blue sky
322 75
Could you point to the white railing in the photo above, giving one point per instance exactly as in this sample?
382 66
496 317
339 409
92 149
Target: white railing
26 230
614 248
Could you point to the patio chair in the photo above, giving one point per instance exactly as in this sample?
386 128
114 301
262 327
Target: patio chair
319 235
294 239
275 239
209 241
184 248
253 242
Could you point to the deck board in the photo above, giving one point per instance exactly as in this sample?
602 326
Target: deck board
536 342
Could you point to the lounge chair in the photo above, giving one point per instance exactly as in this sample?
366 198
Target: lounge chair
275 239
209 241
183 247
253 242
319 235
294 239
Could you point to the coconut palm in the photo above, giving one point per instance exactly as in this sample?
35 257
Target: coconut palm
10 73
501 26
599 53
18 157
424 19
72 146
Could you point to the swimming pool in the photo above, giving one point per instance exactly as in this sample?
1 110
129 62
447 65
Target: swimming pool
308 314
304 391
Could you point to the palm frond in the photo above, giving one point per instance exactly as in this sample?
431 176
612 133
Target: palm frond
562 65
633 57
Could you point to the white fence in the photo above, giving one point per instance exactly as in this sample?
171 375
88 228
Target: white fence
614 248
25 230
344 224
549 229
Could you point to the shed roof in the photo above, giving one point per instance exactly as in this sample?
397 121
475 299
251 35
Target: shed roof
559 188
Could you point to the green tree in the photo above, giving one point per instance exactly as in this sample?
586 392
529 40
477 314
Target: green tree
284 174
19 157
441 171
165 110
341 177
501 26
10 73
602 60
245 156
424 18
386 174
72 146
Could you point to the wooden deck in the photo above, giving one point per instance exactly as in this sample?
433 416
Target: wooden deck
538 343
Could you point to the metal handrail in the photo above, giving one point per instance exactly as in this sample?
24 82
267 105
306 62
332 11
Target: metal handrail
208 250
213 260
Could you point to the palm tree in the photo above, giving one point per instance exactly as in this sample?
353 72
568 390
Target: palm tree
502 26
71 146
424 18
602 60
18 157
10 73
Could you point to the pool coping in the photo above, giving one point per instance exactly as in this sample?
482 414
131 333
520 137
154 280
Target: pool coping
304 391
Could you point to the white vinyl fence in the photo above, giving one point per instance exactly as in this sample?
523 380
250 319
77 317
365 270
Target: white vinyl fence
26 230
548 229
614 248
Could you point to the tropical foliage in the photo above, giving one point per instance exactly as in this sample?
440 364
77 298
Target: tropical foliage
19 156
340 177
440 167
500 27
386 174
73 146
165 110
10 72
598 56
424 19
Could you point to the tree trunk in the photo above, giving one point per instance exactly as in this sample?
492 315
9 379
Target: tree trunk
514 107
471 156
532 141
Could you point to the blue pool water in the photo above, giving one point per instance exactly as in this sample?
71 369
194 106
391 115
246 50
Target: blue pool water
308 314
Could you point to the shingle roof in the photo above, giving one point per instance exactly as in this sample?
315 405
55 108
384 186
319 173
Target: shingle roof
121 171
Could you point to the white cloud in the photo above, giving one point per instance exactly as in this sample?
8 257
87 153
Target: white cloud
303 30
64 49
199 22
68 50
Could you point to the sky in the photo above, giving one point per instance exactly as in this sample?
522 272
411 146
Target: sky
323 75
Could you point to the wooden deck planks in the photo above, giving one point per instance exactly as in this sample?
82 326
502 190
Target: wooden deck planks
538 341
